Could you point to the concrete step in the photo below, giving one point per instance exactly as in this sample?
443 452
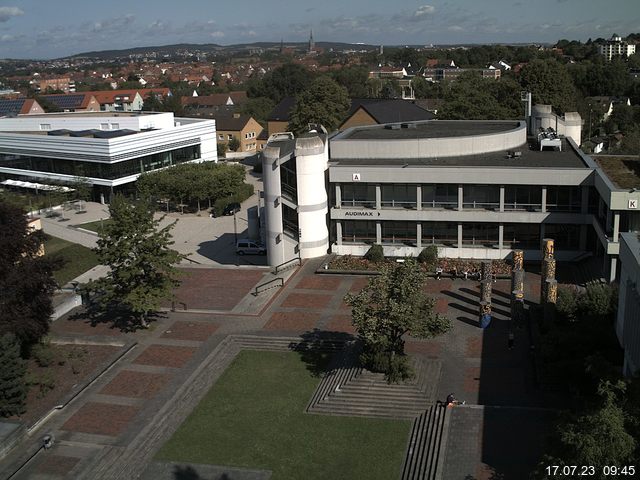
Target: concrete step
347 392
425 445
352 411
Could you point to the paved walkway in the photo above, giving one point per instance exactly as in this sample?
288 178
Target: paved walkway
113 414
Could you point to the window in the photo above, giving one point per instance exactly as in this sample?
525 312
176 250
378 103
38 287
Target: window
440 233
355 231
115 126
481 196
566 237
523 197
564 199
399 232
440 196
399 195
221 137
521 235
229 137
359 195
45 126
480 234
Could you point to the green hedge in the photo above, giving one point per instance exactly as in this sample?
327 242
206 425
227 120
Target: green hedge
245 191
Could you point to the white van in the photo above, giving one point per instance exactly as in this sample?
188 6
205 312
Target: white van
250 247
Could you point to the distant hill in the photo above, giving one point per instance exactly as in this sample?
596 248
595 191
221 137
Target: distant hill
212 47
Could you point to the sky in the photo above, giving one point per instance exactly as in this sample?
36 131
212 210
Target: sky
43 29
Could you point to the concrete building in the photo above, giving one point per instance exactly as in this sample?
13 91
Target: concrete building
111 150
295 196
628 320
475 189
615 46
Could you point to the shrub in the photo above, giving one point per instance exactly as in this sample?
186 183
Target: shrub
13 390
598 300
567 303
43 354
375 254
428 255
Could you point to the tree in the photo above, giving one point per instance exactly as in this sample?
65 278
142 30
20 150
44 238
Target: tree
233 144
258 108
354 79
285 81
82 188
472 97
391 305
324 102
142 266
550 84
26 279
13 390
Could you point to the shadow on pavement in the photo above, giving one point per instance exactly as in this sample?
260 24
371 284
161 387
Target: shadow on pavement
119 318
223 251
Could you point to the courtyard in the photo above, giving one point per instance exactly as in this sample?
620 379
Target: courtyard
195 374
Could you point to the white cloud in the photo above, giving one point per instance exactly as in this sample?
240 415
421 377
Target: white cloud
455 28
424 10
7 13
217 34
6 38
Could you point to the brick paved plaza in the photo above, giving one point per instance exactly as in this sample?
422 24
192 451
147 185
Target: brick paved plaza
116 414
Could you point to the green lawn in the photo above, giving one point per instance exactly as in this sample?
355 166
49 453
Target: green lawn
79 259
94 226
253 417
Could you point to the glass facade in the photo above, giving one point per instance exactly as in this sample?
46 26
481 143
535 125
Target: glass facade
108 171
288 180
523 197
359 195
481 196
401 195
480 234
440 196
358 232
567 237
399 232
564 199
440 233
525 236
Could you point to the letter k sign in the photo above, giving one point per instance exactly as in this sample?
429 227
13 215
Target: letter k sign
633 203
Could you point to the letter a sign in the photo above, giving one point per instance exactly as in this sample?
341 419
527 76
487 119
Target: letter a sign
355 177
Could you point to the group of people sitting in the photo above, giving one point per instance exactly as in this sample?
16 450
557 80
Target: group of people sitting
466 274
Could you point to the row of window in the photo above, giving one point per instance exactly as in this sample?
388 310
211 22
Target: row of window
516 197
107 171
515 235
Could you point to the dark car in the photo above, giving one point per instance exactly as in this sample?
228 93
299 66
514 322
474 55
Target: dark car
231 208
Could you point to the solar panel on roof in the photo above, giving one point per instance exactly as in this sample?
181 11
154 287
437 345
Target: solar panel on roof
11 107
113 133
65 101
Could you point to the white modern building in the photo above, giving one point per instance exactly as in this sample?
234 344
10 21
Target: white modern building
295 196
110 149
615 46
475 189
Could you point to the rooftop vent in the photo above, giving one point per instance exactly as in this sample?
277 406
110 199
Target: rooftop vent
408 125
514 154
393 126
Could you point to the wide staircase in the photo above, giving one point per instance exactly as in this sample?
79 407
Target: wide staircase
426 445
348 389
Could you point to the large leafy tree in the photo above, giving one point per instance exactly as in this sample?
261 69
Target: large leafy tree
13 391
392 305
287 80
472 97
26 279
324 102
142 264
550 84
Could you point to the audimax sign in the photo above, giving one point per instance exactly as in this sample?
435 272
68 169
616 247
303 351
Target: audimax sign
360 213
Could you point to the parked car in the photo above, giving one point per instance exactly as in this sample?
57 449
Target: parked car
231 208
250 247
